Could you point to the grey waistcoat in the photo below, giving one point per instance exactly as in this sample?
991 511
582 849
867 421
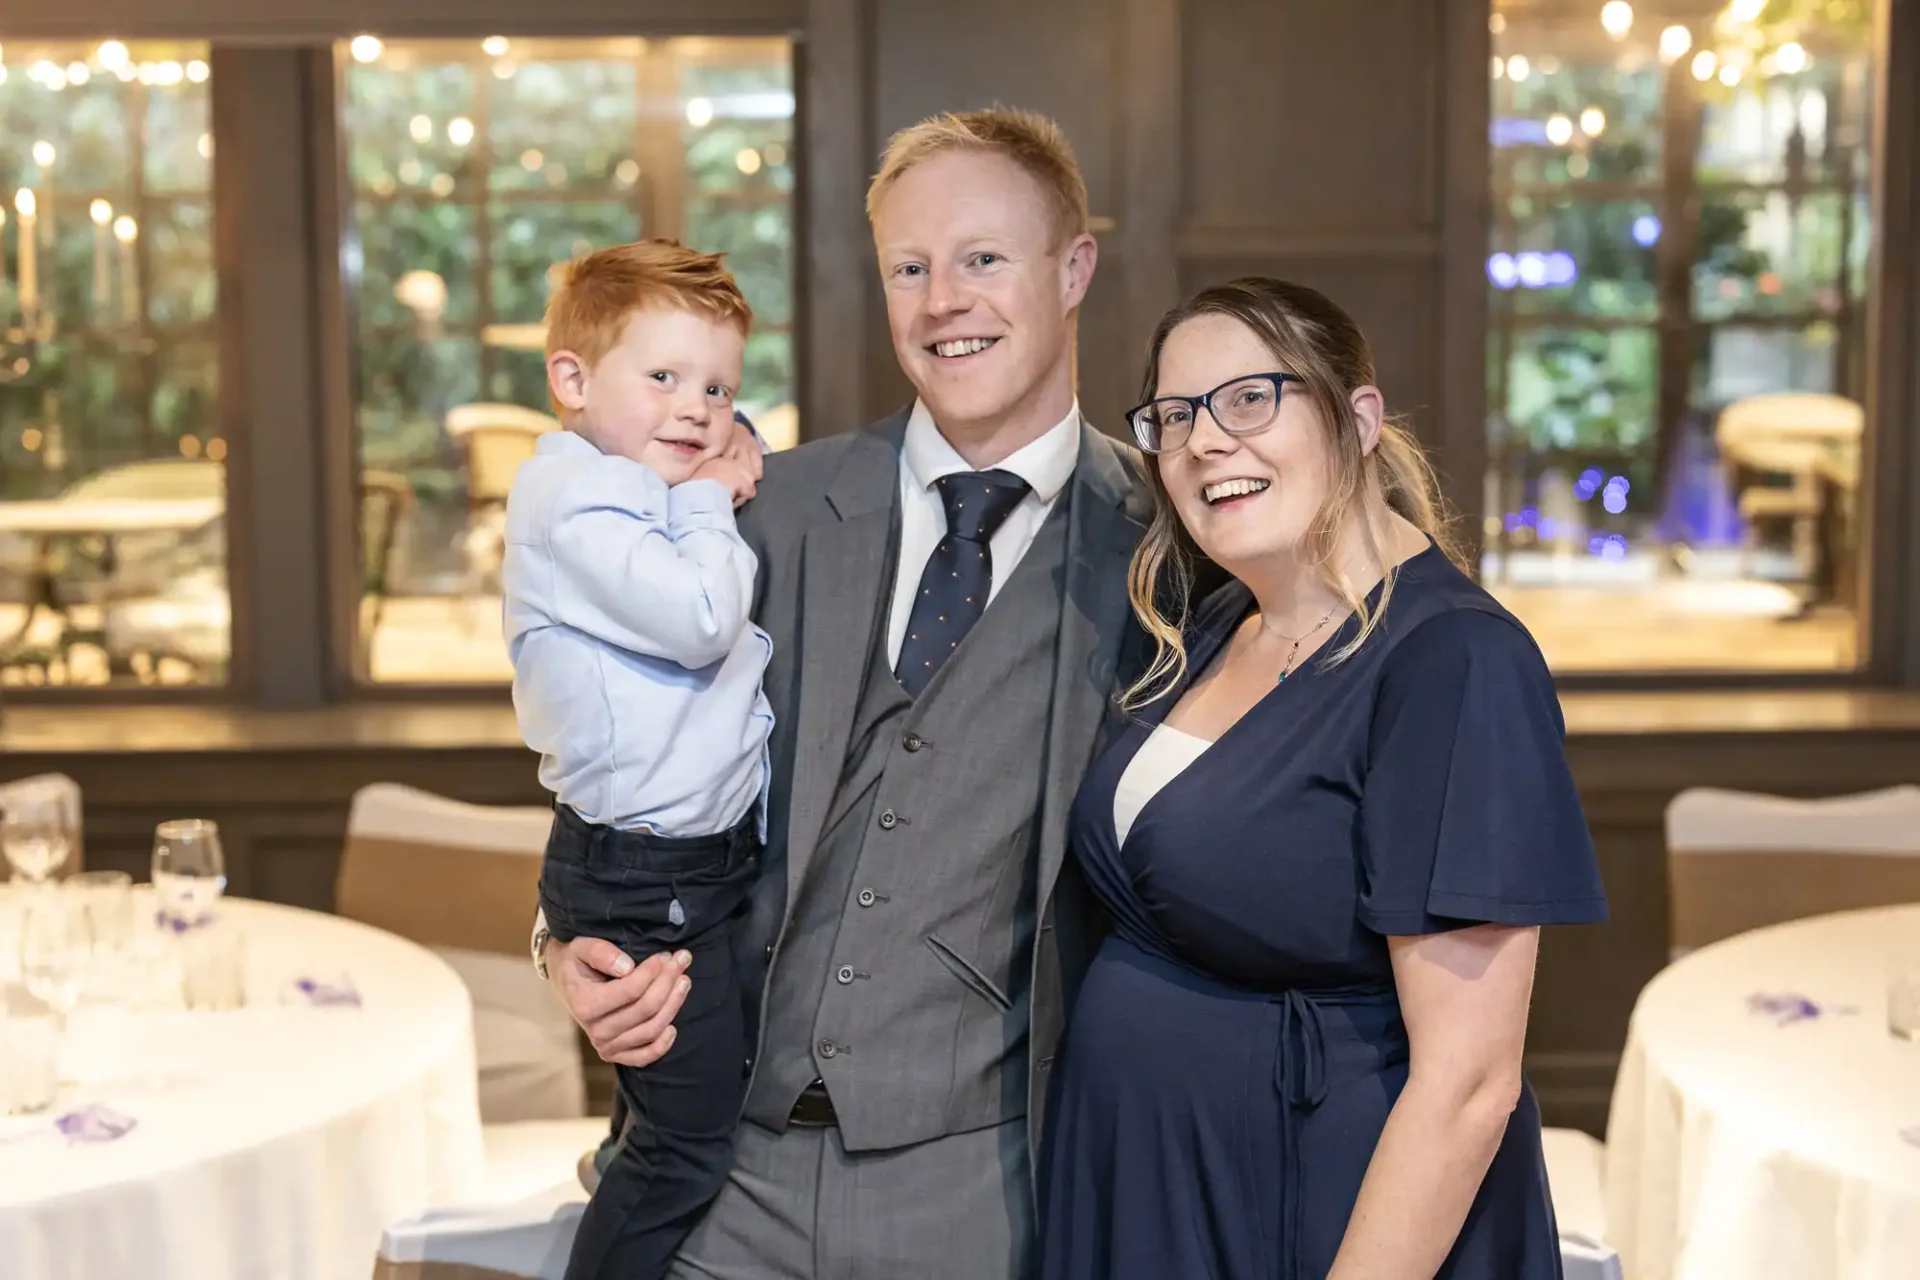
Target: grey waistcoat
903 980
822 528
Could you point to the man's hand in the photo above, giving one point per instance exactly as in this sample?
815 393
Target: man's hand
626 1010
731 472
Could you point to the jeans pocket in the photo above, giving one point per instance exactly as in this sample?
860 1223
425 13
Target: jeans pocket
969 974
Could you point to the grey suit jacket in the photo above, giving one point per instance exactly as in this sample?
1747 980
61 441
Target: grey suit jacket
823 528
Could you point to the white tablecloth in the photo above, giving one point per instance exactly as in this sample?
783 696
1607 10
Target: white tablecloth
1765 1125
272 1143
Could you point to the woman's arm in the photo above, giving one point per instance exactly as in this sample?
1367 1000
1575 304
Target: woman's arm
1464 995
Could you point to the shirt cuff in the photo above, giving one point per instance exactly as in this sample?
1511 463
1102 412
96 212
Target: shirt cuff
699 504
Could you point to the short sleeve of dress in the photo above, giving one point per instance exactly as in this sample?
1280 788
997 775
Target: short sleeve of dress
1468 812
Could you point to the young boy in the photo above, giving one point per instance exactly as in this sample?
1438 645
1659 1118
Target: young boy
637 679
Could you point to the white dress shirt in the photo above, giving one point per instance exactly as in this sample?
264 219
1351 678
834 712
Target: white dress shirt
1046 465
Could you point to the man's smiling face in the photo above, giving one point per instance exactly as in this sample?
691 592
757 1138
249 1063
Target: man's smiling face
980 288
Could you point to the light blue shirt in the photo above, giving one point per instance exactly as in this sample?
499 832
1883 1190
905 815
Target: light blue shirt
636 669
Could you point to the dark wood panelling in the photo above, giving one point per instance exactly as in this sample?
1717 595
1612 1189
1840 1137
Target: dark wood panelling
1459 435
1892 546
1392 298
836 267
1311 117
1057 58
1149 217
295 21
1064 59
271 400
1343 146
1109 357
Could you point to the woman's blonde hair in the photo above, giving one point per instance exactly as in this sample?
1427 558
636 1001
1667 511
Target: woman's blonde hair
1317 342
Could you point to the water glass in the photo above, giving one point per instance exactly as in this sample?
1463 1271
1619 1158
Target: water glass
1903 997
213 967
189 872
56 949
29 1053
107 898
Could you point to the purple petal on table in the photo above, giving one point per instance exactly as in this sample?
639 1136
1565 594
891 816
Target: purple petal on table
341 993
175 923
1785 1008
94 1124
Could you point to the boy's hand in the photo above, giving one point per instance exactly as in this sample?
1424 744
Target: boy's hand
745 449
730 472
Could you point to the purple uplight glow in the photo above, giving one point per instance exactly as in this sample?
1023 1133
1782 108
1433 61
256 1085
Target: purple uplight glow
1646 231
1532 270
1588 484
1608 546
1511 131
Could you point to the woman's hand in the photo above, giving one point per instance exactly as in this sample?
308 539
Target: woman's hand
1464 996
626 1010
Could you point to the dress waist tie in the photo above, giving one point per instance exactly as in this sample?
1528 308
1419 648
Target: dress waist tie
1300 1074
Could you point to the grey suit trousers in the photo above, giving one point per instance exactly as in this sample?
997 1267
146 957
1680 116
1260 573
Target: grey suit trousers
799 1207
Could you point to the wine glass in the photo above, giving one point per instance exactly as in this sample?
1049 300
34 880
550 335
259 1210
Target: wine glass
36 836
189 872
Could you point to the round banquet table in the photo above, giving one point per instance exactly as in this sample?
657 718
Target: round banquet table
1765 1124
273 1142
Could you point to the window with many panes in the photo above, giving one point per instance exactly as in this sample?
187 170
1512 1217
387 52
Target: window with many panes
476 167
112 485
1676 361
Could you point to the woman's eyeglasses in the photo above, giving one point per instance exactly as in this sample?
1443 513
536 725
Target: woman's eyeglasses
1242 407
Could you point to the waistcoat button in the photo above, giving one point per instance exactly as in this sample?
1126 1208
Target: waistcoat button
914 742
845 974
889 820
828 1048
866 897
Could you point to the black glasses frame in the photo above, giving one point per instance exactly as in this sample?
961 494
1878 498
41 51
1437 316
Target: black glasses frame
1142 432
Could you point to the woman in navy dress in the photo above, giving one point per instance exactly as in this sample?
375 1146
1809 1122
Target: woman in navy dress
1327 839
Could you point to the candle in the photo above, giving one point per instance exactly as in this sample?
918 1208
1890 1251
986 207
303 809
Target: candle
44 155
24 204
102 286
126 231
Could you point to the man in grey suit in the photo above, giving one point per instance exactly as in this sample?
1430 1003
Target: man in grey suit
947 597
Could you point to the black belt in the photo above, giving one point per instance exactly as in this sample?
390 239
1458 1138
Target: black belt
814 1109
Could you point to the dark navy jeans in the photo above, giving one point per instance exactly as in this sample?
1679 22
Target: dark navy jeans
646 894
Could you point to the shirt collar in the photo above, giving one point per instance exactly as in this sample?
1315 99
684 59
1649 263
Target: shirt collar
1046 464
564 444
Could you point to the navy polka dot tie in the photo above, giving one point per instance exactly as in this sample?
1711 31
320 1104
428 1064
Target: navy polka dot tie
959 574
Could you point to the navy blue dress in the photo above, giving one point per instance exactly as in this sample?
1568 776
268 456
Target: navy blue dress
1236 1046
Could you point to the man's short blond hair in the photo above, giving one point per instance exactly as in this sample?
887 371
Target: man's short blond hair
1027 138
